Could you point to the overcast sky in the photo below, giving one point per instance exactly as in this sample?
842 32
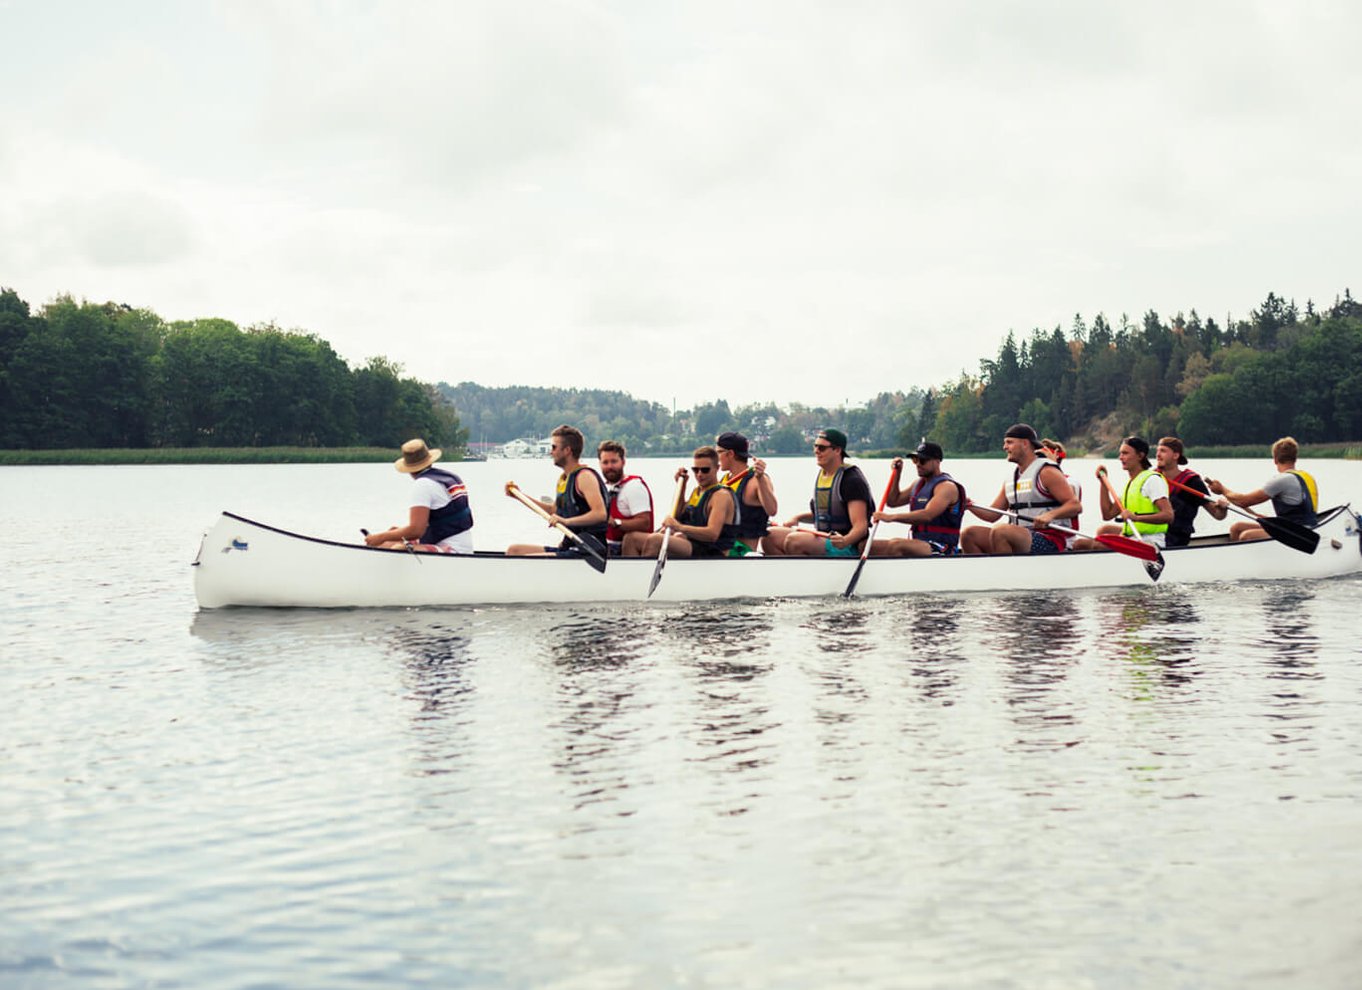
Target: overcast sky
754 201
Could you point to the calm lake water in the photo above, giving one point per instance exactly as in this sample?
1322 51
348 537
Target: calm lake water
1159 787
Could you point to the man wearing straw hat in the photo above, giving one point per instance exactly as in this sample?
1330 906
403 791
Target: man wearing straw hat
440 519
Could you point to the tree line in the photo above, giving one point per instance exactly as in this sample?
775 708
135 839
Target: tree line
107 375
496 415
1281 370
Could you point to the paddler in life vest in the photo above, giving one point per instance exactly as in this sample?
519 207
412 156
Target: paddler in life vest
629 500
440 519
1053 450
937 504
580 501
1038 494
1145 509
839 510
1294 494
754 495
1170 459
705 527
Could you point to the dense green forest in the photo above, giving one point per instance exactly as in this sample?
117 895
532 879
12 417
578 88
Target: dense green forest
495 415
1279 371
107 375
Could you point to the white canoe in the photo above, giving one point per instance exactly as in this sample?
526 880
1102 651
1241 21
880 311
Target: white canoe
241 562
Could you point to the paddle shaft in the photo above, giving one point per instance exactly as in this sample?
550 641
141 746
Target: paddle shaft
1285 531
666 538
540 511
870 539
1246 513
1121 544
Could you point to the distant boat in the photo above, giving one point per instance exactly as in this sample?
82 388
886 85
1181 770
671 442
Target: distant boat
241 562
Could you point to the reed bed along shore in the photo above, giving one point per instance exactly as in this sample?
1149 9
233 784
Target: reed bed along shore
199 455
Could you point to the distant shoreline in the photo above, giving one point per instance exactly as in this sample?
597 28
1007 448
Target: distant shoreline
1351 451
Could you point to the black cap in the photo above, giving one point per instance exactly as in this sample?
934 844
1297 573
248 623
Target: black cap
835 437
735 442
1022 431
1138 444
928 451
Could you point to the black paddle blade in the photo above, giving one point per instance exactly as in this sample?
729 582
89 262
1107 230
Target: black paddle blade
1293 534
1154 568
594 550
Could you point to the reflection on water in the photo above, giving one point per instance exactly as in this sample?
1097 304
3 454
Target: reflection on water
727 658
1034 641
1159 635
1292 645
597 728
930 641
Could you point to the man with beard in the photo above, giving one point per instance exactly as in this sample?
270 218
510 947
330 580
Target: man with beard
629 500
937 504
580 502
1038 494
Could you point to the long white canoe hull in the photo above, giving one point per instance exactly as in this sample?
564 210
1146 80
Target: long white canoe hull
242 562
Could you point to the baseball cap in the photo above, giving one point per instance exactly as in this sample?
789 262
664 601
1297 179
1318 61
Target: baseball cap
928 451
735 442
835 437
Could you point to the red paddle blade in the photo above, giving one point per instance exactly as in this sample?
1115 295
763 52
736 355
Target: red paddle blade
1129 546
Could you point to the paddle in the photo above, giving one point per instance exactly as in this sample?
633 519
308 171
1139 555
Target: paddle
884 500
666 538
595 553
1112 541
1293 534
1153 566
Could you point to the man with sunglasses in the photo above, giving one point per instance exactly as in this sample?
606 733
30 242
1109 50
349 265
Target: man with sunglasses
580 503
839 510
706 527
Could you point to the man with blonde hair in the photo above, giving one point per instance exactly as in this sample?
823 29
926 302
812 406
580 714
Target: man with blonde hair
1294 494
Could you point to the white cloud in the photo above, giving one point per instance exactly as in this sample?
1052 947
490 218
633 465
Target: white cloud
760 201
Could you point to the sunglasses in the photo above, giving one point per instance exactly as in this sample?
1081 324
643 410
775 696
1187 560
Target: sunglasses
702 470
820 447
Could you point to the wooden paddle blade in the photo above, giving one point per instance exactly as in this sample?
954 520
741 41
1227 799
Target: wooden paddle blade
1130 547
1293 534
